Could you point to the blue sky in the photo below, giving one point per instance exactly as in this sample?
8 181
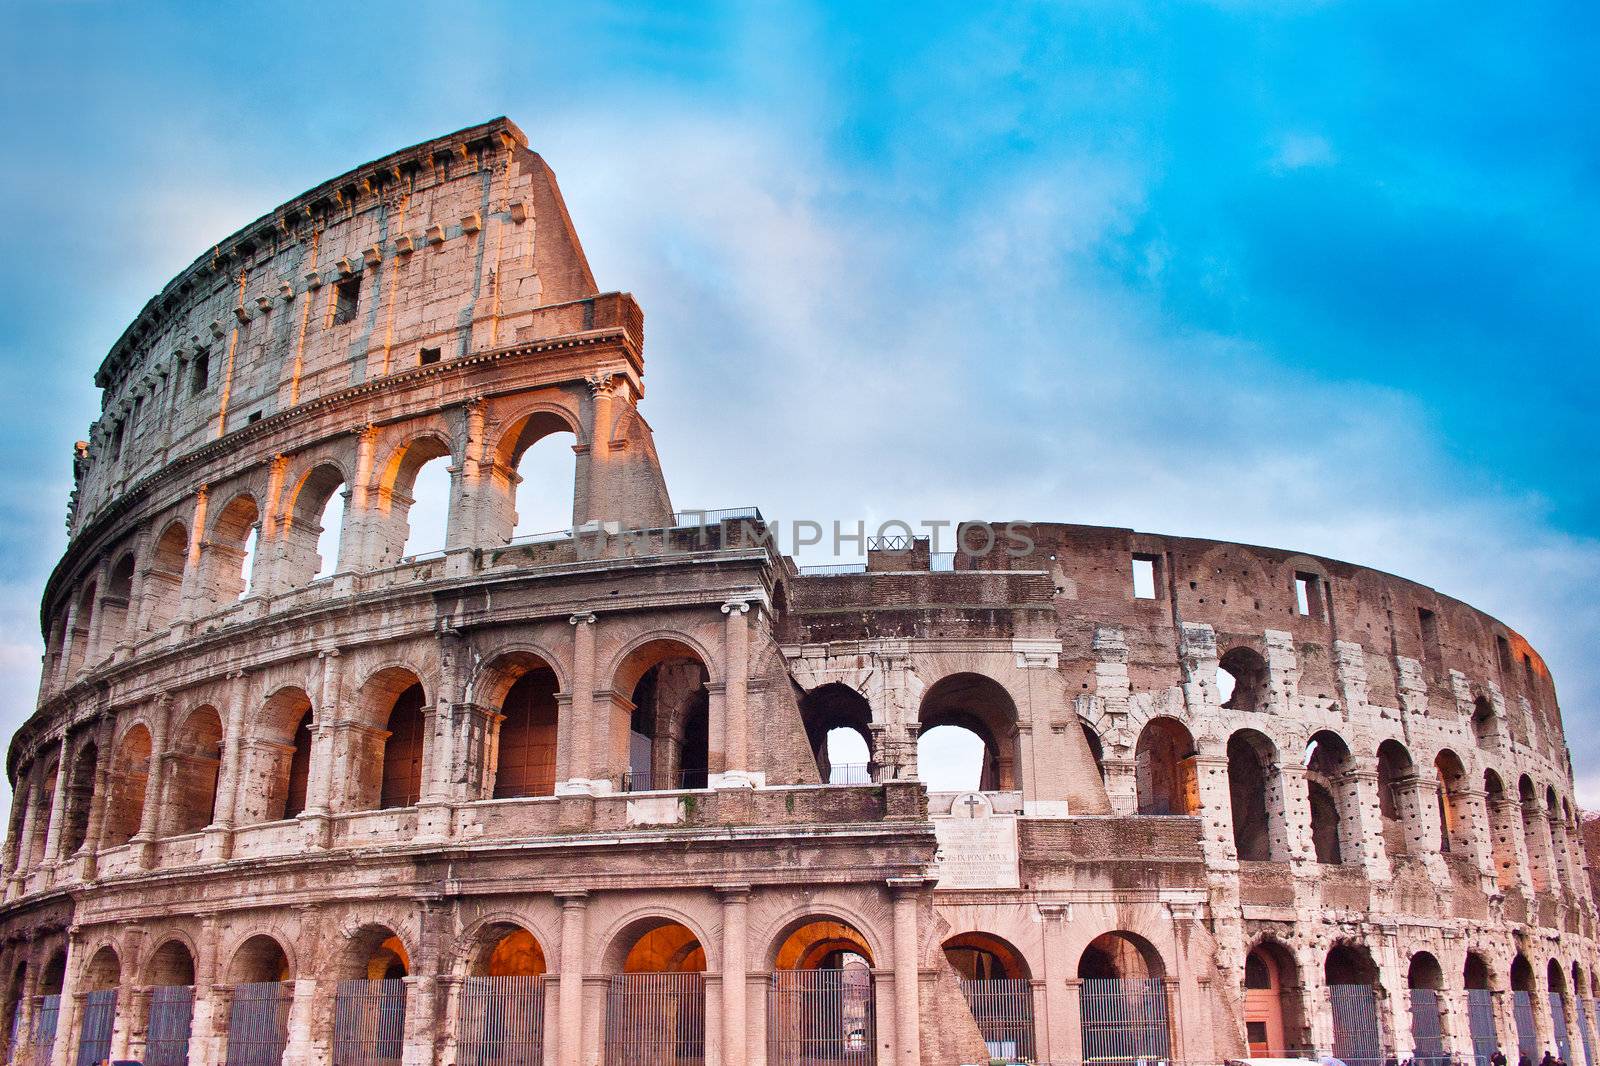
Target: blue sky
1313 275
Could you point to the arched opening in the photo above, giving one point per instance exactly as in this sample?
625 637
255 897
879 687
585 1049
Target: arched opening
47 1006
1424 982
195 762
1556 989
1555 829
386 764
1504 826
525 762
1327 767
1124 1009
114 605
263 989
975 710
502 999
130 776
1481 1025
39 821
80 797
82 625
668 715
656 999
282 760
170 977
1352 981
1395 770
1454 814
819 1004
369 1000
1242 680
1164 768
11 1032
1254 795
838 723
540 467
1273 1019
1533 835
1485 723
402 751
161 595
229 553
1522 1009
413 505
312 527
999 992
97 1017
1097 750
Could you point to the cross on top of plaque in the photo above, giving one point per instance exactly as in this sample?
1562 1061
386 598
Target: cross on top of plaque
972 803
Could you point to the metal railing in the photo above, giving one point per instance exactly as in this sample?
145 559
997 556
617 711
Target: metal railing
1527 1032
46 1016
502 1022
821 1016
692 519
833 569
94 1028
850 773
1003 1009
1585 1014
171 1015
1481 1026
656 1019
369 1023
258 1023
1357 1027
663 780
1558 1022
1124 1020
1427 1029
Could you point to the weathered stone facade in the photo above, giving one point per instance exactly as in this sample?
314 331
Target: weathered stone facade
596 760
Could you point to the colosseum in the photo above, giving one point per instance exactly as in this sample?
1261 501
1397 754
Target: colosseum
298 795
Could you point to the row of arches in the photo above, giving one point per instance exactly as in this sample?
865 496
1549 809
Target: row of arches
332 515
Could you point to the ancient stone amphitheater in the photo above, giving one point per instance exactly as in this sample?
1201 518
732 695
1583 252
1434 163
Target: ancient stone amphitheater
575 798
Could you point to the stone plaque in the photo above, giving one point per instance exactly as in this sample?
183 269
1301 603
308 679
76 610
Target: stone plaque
977 848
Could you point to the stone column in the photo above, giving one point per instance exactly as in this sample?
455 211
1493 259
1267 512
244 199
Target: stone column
358 537
1506 814
466 483
1417 798
193 585
907 893
65 1052
1059 1035
145 838
1360 818
569 1035
58 804
206 1022
219 834
1475 836
1216 807
573 730
735 964
303 1046
735 699
88 863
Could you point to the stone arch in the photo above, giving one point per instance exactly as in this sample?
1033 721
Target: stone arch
391 538
38 822
1097 748
79 798
1504 828
82 622
281 757
371 951
830 707
130 776
385 761
1250 679
1255 796
1164 767
171 963
115 601
983 707
231 543
1122 955
1455 815
979 956
1124 1008
1328 765
260 958
1274 1008
661 686
309 502
811 941
1395 771
521 433
1476 973
196 761
1532 830
656 943
162 591
104 970
502 945
523 687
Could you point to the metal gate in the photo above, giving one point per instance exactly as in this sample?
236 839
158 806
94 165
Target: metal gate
369 1023
1427 1030
99 1017
656 1019
1357 1029
46 1015
171 1012
1124 1020
258 1023
1527 1035
1585 1014
1558 1020
1480 1024
821 1016
502 1022
1003 1009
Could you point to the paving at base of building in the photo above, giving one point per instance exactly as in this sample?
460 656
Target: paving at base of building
576 798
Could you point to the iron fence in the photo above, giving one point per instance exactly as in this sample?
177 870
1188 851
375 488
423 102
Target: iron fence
1481 1025
171 1014
501 1022
1003 1009
850 773
258 1023
1558 1022
369 1023
1357 1026
1585 1015
46 1015
656 1019
1124 1020
663 780
94 1029
821 1016
1427 1029
1527 1034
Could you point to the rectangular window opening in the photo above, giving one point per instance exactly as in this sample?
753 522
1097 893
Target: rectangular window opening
200 374
1428 626
427 356
346 298
255 416
1503 647
1144 577
1308 595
